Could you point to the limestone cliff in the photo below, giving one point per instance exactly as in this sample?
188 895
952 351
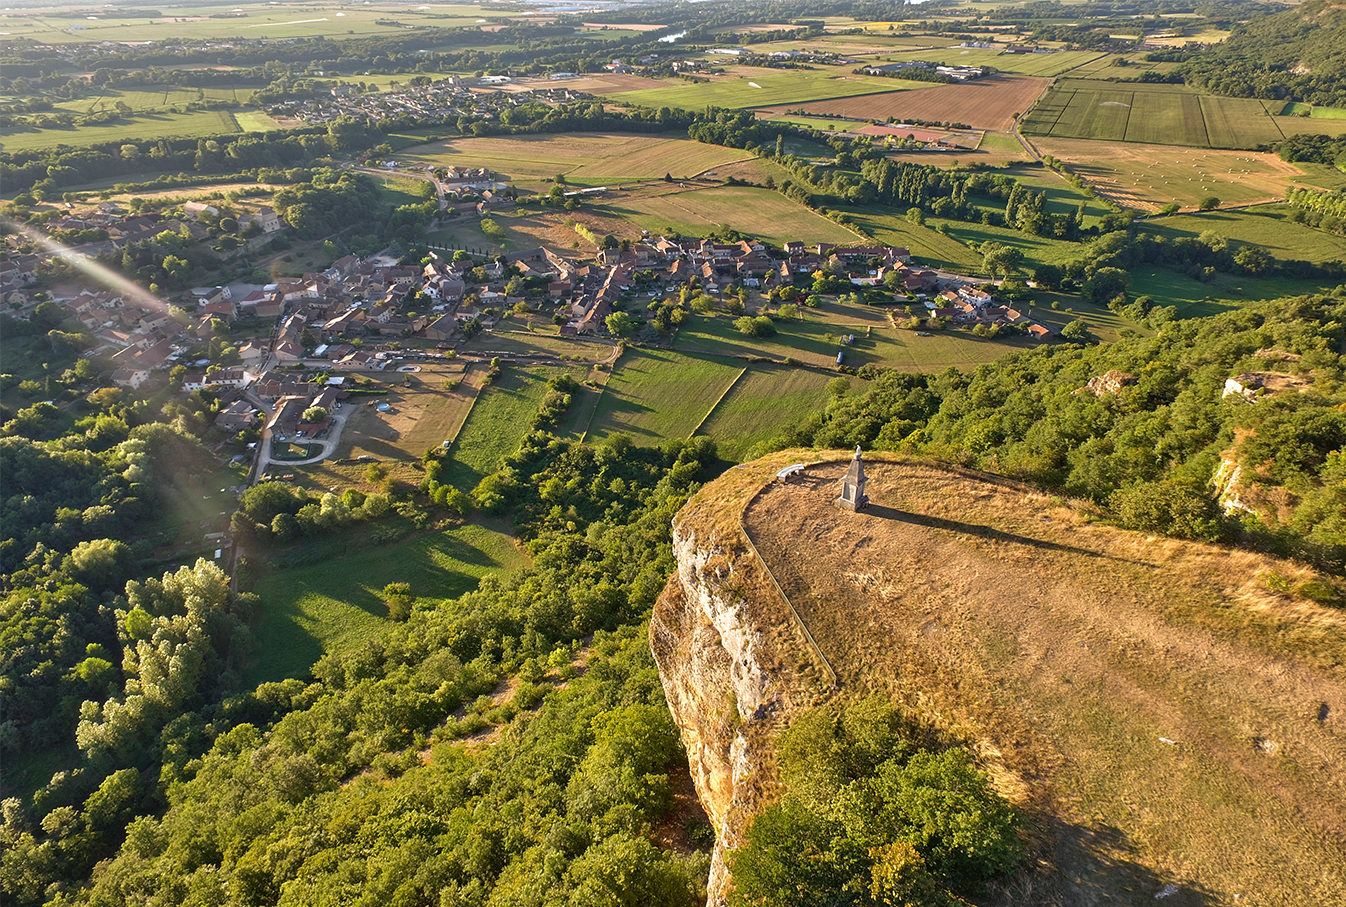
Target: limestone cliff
716 638
1066 653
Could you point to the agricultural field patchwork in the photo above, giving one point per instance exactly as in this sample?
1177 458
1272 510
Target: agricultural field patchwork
1150 113
658 394
281 20
761 404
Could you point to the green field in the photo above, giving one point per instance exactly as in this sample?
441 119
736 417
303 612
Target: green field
311 610
777 86
278 21
498 422
658 394
1267 226
764 401
1046 65
146 127
760 212
1158 114
1294 109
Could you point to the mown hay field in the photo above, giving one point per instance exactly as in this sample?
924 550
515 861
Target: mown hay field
1149 176
587 158
1154 114
751 86
989 103
760 212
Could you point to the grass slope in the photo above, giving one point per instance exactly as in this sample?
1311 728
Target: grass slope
332 604
658 394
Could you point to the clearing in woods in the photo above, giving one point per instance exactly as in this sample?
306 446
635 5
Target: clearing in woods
1148 177
311 606
989 103
1162 717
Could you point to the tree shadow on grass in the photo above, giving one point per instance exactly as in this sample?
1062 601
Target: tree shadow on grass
615 403
1094 867
986 532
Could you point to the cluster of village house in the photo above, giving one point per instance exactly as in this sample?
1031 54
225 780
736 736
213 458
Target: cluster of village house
441 100
320 315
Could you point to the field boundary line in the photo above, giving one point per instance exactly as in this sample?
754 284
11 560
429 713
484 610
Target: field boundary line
743 527
475 397
612 370
710 412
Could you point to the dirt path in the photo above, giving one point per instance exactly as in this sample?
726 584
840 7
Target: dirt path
1121 681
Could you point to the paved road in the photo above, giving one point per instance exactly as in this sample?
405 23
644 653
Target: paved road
329 446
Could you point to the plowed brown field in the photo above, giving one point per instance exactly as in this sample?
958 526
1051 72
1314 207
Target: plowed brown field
984 104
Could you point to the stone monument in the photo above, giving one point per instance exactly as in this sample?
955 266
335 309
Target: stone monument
853 495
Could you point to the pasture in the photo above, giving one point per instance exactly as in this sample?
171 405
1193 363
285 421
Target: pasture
1267 226
1147 177
1294 109
313 605
989 103
498 422
144 127
584 159
695 212
658 394
751 86
1150 113
763 401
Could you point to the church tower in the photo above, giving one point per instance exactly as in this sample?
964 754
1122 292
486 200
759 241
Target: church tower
853 495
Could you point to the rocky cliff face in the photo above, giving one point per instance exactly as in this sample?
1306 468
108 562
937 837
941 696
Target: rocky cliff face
710 660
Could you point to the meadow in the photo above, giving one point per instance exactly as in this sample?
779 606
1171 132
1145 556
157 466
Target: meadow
498 422
657 394
1150 113
1267 226
1042 65
329 601
762 402
143 127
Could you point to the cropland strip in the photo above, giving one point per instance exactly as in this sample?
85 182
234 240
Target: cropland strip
989 103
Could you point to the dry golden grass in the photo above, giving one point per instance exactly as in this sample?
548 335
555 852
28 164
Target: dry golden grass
1158 711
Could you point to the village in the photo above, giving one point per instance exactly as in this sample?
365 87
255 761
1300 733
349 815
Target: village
253 344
